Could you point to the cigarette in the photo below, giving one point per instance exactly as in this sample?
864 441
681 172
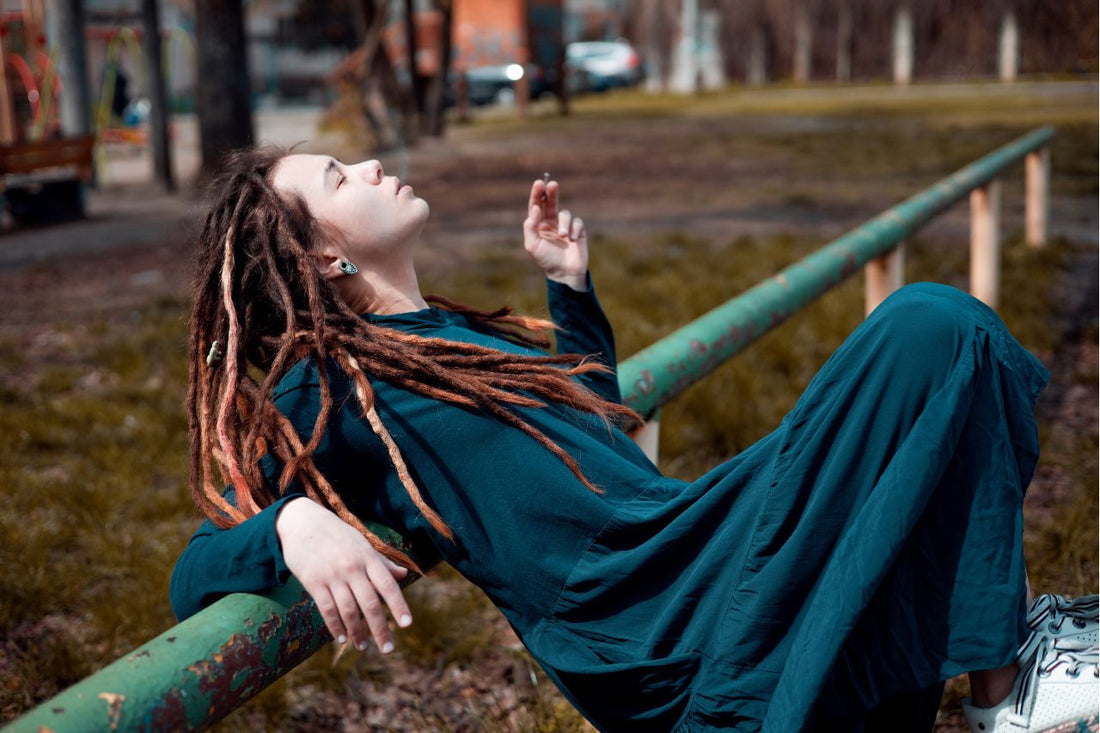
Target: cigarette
545 181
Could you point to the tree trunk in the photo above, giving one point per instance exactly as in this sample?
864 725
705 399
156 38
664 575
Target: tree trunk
158 98
222 97
67 34
437 87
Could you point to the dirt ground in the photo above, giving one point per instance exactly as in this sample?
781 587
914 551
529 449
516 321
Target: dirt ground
628 176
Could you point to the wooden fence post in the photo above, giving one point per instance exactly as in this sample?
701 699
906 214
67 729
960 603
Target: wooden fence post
883 275
903 46
985 242
1008 48
1037 165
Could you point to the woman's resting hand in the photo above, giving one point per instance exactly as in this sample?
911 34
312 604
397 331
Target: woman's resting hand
555 239
348 579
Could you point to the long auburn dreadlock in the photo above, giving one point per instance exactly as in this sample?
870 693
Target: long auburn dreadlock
260 302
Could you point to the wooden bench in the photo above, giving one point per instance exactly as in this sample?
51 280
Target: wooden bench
42 182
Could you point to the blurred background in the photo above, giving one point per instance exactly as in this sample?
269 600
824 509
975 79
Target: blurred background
707 143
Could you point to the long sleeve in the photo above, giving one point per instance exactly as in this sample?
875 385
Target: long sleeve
243 559
584 329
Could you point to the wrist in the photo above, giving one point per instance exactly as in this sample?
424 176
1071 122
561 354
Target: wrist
289 512
578 282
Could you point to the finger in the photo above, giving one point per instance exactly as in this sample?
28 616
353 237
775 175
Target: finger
326 604
397 571
375 615
577 230
565 221
349 605
386 585
551 200
538 188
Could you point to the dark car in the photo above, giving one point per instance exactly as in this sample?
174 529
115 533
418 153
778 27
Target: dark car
496 84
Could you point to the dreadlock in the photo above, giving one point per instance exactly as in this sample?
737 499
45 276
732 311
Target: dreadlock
260 305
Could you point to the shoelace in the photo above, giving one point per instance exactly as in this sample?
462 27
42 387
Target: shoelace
1074 660
1047 656
1055 610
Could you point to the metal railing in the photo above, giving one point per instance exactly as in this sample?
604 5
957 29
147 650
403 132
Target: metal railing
197 672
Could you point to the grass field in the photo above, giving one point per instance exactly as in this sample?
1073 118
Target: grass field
94 506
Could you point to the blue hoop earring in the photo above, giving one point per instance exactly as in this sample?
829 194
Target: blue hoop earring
348 268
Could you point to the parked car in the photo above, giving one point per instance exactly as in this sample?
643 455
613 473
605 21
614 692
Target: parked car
605 64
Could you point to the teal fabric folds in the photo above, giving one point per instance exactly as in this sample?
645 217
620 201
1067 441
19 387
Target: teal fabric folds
870 545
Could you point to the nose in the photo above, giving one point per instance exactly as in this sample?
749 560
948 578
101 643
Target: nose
371 170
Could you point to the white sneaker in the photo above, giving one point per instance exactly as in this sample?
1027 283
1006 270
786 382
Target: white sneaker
1056 691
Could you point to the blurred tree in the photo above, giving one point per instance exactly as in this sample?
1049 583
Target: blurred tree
398 110
222 97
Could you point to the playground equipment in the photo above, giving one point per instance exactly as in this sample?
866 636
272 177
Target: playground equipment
42 175
200 670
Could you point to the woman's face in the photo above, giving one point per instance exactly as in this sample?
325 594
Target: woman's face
376 214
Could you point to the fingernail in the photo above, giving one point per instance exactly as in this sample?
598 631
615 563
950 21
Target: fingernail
387 647
405 620
341 639
361 646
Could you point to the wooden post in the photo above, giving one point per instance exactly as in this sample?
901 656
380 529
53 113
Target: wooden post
803 43
985 243
844 42
647 437
1037 165
903 46
1008 49
883 275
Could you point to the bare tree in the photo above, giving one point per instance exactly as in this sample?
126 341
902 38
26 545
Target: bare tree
222 94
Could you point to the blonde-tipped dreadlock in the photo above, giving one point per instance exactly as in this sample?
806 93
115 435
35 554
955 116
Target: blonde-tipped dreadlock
258 300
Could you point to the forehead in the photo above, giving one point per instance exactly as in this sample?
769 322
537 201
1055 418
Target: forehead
300 173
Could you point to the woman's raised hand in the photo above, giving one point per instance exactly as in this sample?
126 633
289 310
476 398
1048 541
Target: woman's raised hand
555 239
348 579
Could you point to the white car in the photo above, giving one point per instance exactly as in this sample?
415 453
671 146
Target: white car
605 64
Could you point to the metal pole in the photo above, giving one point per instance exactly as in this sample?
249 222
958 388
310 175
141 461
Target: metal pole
158 98
658 373
985 243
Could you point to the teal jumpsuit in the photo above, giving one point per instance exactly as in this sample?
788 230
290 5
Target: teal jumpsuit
870 546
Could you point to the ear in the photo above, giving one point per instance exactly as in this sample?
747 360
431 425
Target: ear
327 262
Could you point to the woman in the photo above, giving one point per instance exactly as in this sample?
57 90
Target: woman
869 548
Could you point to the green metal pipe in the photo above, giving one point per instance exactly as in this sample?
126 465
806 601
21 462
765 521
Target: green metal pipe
202 669
195 673
661 371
